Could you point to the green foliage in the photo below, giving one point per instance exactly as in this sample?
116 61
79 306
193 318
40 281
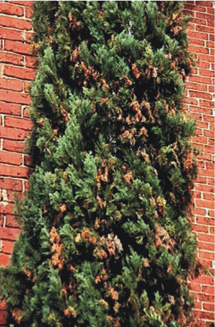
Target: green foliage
106 240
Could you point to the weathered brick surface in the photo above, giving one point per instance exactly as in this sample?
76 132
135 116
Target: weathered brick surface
200 94
16 72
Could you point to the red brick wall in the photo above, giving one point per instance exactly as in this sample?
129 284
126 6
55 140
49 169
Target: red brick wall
200 97
16 71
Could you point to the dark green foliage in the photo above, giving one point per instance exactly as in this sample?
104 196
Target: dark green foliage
106 239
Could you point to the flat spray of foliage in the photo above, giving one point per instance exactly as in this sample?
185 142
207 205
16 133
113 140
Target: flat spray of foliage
106 240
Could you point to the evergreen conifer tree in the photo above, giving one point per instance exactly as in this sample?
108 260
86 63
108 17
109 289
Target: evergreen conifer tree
106 239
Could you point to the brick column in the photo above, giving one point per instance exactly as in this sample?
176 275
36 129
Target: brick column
200 96
16 72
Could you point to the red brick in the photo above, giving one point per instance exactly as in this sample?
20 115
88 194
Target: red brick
6 209
208 289
205 3
197 195
190 101
204 188
10 158
2 305
22 3
26 113
200 79
28 12
18 47
196 116
200 228
204 279
208 104
204 221
208 196
205 172
198 42
210 181
199 131
211 142
26 185
200 139
9 234
199 21
13 171
206 298
204 72
3 317
206 58
198 109
197 305
9 34
209 307
209 118
206 255
196 49
212 38
24 73
203 125
27 85
206 29
11 84
206 246
11 221
195 86
10 184
31 61
210 44
15 146
206 238
18 123
9 108
10 196
18 23
7 246
190 5
14 97
209 133
195 287
13 133
199 211
205 204
203 95
27 161
210 165
204 315
11 9
211 213
29 36
201 180
206 263
209 149
13 58
197 35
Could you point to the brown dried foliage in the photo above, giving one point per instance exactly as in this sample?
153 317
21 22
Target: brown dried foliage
17 315
135 71
57 247
128 177
162 238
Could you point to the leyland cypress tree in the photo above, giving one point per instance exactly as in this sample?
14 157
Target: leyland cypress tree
106 239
